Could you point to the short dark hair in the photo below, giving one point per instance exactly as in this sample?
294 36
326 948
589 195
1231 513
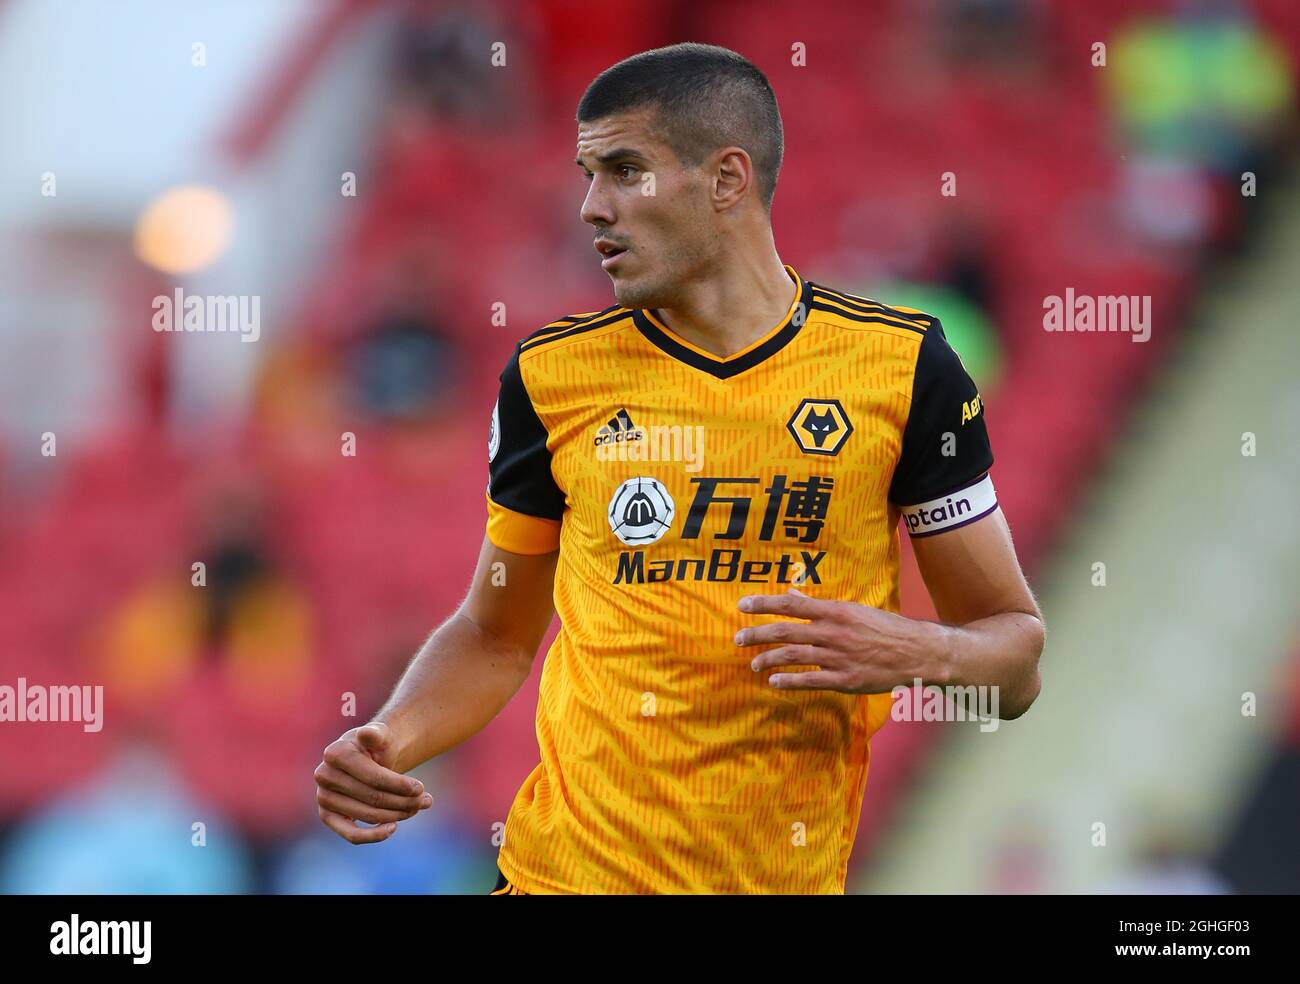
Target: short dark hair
704 98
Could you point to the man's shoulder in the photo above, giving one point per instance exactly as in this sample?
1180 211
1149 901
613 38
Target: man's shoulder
859 312
557 335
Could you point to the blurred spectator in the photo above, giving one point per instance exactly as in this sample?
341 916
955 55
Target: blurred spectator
444 64
964 262
402 366
129 832
1205 86
248 615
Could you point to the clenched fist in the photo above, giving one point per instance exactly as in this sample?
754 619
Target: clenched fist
355 782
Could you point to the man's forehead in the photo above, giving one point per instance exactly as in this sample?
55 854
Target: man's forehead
623 129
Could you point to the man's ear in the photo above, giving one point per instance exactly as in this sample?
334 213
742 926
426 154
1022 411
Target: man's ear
734 176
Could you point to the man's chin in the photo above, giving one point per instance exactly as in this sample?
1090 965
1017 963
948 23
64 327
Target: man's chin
624 293
630 294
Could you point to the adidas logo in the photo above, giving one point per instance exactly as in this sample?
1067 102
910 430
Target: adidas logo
619 430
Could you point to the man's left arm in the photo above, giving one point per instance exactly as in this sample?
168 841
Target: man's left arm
994 632
991 634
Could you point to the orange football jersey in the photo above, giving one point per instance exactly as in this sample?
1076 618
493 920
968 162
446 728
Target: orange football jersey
673 483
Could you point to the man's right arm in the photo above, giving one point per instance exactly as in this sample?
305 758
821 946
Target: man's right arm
459 680
475 661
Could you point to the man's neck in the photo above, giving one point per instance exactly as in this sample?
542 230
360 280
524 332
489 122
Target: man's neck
727 314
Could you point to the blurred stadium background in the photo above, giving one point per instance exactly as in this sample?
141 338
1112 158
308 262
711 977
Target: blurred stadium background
388 193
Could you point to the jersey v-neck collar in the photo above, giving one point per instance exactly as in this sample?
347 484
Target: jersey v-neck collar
762 349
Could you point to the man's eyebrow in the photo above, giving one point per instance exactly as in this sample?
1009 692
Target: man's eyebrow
617 154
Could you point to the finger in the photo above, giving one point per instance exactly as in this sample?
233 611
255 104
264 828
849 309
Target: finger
353 834
348 758
794 656
778 633
795 605
346 806
810 680
340 782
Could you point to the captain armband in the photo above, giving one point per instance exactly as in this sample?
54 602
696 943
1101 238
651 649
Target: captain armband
953 510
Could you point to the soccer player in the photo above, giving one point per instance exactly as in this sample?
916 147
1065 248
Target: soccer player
706 481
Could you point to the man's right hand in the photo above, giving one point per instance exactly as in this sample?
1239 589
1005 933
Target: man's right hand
355 782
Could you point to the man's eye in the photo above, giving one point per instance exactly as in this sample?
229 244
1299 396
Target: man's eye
625 167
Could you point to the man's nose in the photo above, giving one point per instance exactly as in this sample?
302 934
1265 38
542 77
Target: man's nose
595 207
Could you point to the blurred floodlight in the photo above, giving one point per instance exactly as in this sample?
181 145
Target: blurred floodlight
184 229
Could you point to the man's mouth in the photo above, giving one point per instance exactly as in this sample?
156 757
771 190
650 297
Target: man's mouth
610 252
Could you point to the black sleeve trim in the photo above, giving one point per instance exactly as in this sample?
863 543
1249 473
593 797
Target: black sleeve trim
519 473
941 392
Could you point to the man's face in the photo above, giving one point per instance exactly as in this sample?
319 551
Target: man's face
644 201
